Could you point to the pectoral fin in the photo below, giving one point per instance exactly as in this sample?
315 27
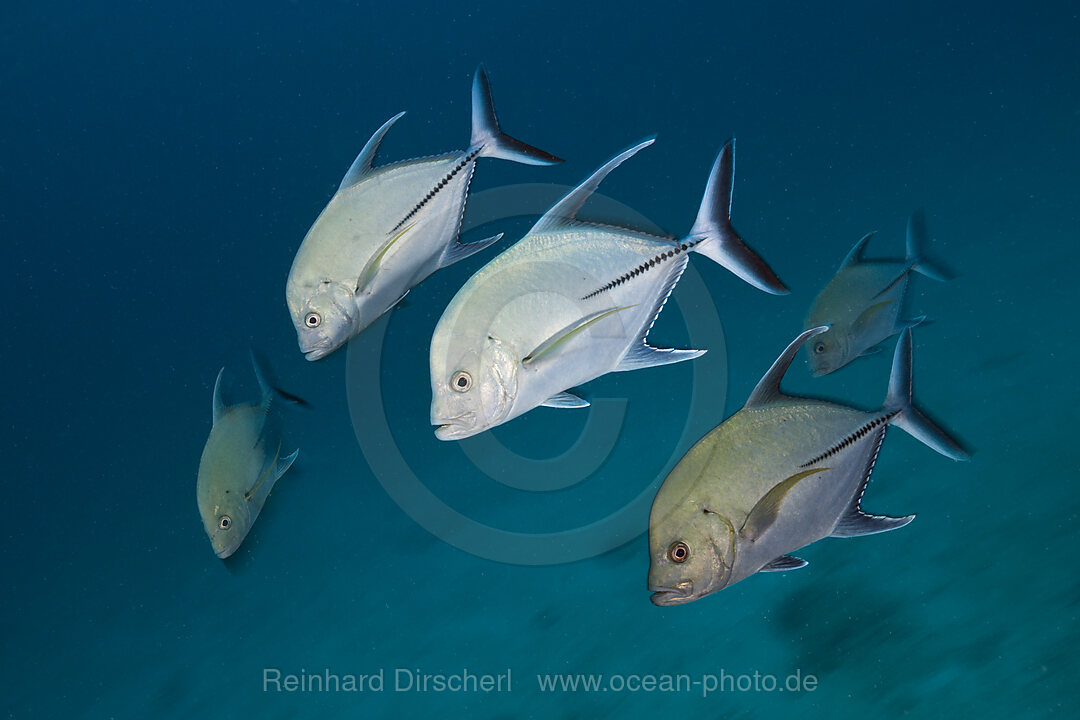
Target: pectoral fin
767 508
565 400
784 562
372 267
273 472
867 316
553 343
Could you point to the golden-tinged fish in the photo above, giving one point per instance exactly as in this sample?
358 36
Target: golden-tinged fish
242 460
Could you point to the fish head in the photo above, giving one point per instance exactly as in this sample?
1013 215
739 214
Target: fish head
472 389
325 318
827 352
227 519
691 551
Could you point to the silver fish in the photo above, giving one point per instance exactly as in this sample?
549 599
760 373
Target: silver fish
388 228
569 302
863 302
781 473
242 460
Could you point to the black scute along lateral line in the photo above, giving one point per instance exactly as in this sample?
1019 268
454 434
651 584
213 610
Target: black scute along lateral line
648 265
441 184
853 437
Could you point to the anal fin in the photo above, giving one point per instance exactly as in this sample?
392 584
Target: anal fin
854 522
459 250
784 562
643 355
565 400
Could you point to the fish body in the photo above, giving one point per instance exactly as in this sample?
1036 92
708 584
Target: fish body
778 475
569 302
241 461
388 228
862 304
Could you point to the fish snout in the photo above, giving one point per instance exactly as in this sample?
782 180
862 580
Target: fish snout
455 428
316 353
663 596
225 549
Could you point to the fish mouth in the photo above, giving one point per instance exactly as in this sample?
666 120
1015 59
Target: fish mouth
663 596
317 353
227 551
319 350
455 428
454 431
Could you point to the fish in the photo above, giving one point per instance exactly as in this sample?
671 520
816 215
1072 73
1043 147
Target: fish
386 229
862 304
781 473
571 301
243 458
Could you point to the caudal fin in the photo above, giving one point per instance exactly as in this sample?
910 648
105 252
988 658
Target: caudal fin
917 237
489 139
909 418
714 237
268 386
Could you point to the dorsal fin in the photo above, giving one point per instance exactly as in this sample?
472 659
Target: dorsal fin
218 402
856 253
768 388
565 211
366 159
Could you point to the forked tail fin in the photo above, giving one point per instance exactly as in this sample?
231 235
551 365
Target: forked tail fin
489 140
713 236
908 417
917 237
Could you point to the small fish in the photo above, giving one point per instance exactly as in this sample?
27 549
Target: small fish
569 302
863 302
242 460
388 228
781 473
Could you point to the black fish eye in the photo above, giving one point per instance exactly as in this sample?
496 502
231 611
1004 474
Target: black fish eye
225 522
313 319
679 552
461 381
819 348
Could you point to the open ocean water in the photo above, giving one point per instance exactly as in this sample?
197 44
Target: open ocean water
160 165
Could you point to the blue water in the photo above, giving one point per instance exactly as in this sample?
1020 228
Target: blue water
160 165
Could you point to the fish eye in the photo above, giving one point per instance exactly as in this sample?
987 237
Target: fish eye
313 320
461 381
225 522
679 552
819 348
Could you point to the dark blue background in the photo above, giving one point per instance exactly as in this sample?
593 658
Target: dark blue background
160 164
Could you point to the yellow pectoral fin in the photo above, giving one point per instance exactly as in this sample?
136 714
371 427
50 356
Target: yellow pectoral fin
869 313
372 267
767 508
262 478
553 343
